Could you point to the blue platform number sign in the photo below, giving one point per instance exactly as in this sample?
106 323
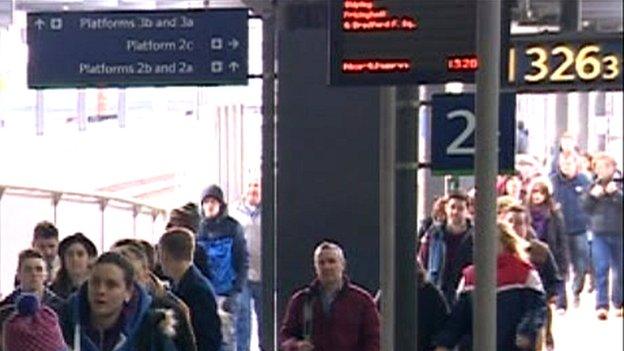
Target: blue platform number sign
137 48
453 133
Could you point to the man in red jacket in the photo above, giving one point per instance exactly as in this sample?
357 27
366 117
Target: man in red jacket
331 314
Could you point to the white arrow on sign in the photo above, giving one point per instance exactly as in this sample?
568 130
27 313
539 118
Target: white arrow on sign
39 23
233 44
234 66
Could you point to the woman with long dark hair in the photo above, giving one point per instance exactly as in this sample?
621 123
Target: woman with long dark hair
77 253
548 226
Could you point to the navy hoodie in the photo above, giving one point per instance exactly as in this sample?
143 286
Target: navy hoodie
139 327
568 193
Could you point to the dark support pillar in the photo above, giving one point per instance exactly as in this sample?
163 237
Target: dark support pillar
561 117
570 15
387 217
405 219
583 120
268 181
327 148
570 21
486 168
428 185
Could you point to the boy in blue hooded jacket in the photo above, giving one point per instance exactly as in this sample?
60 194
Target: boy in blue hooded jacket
223 240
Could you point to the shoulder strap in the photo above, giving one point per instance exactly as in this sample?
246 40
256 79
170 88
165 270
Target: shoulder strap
77 337
308 315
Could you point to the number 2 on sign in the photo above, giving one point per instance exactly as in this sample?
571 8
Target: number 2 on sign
455 148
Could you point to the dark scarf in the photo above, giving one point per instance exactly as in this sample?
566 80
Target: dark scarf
539 220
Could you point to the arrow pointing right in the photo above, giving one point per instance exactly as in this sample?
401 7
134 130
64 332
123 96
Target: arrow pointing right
233 43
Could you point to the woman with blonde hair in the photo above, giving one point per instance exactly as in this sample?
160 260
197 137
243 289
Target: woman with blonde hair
521 305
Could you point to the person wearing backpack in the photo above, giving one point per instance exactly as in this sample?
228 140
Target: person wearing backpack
223 240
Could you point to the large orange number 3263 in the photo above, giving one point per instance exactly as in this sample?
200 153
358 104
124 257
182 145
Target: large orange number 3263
587 64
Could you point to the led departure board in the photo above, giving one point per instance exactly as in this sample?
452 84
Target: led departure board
137 48
575 61
381 42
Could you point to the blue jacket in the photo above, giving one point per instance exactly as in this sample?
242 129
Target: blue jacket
196 292
140 328
521 306
568 194
441 272
223 240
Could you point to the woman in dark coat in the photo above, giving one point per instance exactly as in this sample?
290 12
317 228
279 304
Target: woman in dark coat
432 310
548 225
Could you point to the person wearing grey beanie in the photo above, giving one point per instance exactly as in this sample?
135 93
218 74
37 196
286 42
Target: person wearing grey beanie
188 217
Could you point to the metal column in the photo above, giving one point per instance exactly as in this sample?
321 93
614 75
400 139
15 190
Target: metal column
269 195
561 115
570 22
39 112
82 112
121 108
427 185
486 169
103 203
583 120
56 198
387 166
1 193
405 216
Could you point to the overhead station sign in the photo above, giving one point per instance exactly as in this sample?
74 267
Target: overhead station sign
137 48
558 62
6 12
404 41
453 128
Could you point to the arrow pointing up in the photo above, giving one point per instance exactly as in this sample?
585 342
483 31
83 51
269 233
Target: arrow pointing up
39 23
233 44
234 66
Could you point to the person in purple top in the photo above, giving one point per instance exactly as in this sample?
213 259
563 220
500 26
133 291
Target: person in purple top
548 223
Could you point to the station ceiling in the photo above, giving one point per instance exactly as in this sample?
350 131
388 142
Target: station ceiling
601 15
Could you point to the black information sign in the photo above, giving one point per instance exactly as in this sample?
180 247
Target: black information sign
405 41
575 61
137 48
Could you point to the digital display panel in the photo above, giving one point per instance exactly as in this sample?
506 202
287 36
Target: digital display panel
579 61
463 63
137 48
381 42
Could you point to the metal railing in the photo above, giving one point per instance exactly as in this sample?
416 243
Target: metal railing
100 216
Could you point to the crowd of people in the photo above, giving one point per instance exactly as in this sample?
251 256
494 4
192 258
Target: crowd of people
191 291
566 221
194 289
